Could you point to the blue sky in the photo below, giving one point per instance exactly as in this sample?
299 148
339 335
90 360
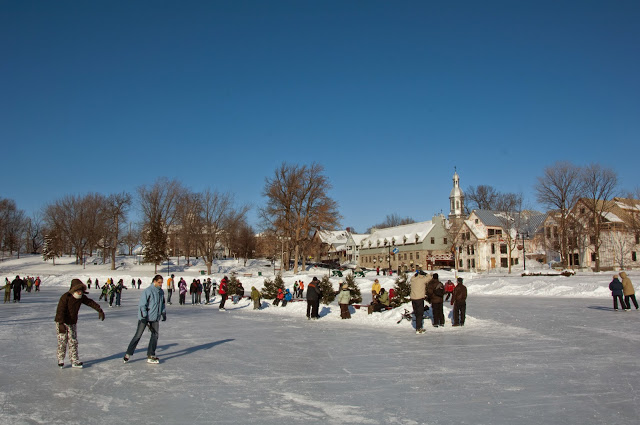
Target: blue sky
388 96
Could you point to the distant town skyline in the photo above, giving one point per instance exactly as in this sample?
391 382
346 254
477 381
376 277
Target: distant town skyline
388 97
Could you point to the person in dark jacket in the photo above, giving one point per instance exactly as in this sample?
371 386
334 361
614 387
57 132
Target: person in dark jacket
313 299
16 285
459 303
207 291
616 292
67 318
119 287
435 295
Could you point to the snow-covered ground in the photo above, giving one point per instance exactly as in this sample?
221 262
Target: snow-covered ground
533 350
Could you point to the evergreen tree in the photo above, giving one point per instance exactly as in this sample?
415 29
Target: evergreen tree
356 297
328 294
402 290
232 285
155 244
52 247
270 289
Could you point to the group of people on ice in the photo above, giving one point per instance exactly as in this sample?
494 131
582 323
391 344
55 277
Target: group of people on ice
425 287
17 285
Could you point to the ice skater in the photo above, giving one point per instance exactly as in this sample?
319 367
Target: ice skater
67 318
151 309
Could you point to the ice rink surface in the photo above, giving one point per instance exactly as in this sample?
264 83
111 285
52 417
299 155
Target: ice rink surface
523 360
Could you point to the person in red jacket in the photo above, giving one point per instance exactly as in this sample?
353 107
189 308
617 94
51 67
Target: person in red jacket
222 290
279 297
448 289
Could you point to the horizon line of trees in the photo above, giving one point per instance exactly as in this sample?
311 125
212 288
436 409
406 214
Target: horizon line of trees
297 204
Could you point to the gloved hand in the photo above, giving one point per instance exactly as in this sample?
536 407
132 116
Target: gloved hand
62 328
164 317
101 315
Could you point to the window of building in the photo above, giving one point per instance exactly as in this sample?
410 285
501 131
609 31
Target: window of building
555 232
460 263
493 248
582 210
592 240
477 221
405 255
411 256
433 240
504 262
473 250
445 241
637 239
468 250
593 257
417 255
503 248
468 264
473 263
548 232
633 256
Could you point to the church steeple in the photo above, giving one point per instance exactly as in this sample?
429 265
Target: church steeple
456 198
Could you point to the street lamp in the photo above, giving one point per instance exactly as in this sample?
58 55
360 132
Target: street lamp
524 251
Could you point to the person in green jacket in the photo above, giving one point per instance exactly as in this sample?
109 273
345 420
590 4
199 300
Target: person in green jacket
7 290
344 297
255 296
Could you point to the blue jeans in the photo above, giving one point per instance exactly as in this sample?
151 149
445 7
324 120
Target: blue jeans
154 327
118 296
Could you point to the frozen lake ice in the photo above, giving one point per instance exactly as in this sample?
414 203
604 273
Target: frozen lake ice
519 360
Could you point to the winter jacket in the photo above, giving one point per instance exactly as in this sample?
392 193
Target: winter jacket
255 294
616 287
459 294
449 287
240 290
280 294
17 285
223 287
375 287
383 298
207 287
418 286
182 286
627 286
435 291
287 295
151 306
313 292
68 306
344 296
193 288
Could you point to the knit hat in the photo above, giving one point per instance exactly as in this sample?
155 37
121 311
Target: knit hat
345 286
615 276
459 280
77 285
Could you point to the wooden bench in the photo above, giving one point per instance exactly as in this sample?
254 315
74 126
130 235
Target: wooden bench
370 310
247 274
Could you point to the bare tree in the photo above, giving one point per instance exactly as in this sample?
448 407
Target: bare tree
217 213
481 197
34 233
132 238
620 245
188 220
599 186
115 214
559 188
392 220
244 241
297 204
78 220
509 207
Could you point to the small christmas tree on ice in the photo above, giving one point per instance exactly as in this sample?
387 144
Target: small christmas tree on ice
270 289
402 291
232 285
356 296
328 293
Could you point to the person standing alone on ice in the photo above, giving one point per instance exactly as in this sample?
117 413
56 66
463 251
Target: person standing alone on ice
151 309
459 302
418 294
67 318
17 288
171 286
313 299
